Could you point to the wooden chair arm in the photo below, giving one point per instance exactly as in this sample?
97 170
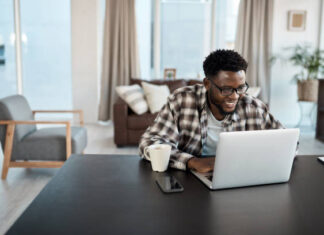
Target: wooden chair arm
78 111
32 122
11 124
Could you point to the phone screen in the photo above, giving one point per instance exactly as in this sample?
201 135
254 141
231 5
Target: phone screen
169 184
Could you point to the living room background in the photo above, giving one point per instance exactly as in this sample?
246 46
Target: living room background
83 34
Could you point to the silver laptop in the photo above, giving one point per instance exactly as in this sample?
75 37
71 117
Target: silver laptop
246 158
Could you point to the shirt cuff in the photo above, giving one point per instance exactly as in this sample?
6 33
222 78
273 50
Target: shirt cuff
182 159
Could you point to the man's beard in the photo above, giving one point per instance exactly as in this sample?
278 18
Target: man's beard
221 110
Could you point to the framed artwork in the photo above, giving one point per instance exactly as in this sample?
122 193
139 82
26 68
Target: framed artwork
296 20
170 73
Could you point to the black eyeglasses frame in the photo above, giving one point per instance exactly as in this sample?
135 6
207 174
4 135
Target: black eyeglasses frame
232 89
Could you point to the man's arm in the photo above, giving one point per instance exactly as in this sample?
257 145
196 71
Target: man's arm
164 130
270 122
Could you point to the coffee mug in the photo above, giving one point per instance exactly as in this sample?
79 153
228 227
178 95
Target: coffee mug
159 154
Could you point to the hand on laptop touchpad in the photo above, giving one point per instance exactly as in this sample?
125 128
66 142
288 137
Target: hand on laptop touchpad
202 165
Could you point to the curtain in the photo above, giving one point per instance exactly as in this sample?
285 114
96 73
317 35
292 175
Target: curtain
253 42
120 53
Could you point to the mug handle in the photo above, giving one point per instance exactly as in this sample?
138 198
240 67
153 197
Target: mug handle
146 153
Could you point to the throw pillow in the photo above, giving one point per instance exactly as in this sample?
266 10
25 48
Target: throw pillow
133 95
156 96
254 91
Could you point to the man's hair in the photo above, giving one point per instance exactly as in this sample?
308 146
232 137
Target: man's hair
227 60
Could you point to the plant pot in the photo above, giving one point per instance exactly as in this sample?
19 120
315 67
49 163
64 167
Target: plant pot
307 90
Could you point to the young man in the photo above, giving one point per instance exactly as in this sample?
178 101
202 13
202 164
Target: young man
193 116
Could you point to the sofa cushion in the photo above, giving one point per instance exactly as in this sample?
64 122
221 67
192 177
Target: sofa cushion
134 96
172 84
156 96
140 122
48 144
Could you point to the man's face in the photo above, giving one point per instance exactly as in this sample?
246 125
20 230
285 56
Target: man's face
225 79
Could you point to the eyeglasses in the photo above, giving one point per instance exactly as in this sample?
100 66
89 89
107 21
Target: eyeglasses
228 91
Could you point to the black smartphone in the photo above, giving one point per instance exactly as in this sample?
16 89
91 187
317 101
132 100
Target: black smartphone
169 184
321 159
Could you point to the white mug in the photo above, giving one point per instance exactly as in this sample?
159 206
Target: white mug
159 154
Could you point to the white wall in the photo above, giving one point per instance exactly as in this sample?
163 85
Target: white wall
85 56
321 26
283 102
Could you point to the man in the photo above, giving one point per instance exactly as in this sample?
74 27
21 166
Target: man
193 116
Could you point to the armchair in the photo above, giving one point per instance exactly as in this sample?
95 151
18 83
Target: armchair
26 146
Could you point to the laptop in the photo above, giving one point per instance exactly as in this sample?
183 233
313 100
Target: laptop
246 158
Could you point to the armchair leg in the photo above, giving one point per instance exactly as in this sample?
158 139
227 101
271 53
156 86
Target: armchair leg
68 141
4 172
8 150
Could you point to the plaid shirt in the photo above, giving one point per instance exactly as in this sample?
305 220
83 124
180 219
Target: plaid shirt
182 123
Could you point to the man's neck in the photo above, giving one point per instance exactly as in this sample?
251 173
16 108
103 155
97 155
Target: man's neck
215 110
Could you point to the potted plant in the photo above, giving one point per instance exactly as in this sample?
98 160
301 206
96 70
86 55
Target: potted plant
311 64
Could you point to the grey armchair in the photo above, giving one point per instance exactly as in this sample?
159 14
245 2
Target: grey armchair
26 146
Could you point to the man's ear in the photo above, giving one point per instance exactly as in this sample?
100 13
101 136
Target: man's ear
206 83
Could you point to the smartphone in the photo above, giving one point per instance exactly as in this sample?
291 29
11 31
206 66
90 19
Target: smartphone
169 184
321 159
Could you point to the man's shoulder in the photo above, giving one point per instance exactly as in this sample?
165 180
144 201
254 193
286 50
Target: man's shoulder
252 102
188 92
191 97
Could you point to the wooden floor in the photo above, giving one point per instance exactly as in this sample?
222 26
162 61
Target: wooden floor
23 185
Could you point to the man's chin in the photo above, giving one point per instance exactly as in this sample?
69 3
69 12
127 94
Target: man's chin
227 111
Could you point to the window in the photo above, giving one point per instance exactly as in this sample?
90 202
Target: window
8 82
185 36
46 53
186 33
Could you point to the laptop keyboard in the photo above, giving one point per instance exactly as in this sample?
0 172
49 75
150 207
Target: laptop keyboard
209 177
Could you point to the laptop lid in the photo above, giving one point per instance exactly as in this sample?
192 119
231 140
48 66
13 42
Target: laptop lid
247 158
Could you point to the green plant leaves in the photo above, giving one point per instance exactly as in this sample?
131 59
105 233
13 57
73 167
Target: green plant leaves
310 62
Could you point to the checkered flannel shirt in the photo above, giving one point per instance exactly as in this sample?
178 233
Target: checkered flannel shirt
182 123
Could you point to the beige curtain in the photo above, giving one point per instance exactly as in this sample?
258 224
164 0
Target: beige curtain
120 53
253 42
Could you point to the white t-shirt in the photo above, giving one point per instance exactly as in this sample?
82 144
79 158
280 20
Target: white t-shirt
214 127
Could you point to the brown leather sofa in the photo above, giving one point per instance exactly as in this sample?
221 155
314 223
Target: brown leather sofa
128 126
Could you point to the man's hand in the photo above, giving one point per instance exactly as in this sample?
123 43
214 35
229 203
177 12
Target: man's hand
202 165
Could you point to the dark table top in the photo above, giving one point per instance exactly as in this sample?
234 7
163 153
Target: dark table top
117 194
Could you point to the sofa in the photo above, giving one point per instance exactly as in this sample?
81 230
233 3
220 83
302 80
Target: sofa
128 126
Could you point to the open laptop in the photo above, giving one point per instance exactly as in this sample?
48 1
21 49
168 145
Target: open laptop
246 158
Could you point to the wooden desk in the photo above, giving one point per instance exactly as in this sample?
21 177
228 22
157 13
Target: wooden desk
117 194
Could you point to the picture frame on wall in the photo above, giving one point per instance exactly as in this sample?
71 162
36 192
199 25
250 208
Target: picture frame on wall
170 73
297 20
